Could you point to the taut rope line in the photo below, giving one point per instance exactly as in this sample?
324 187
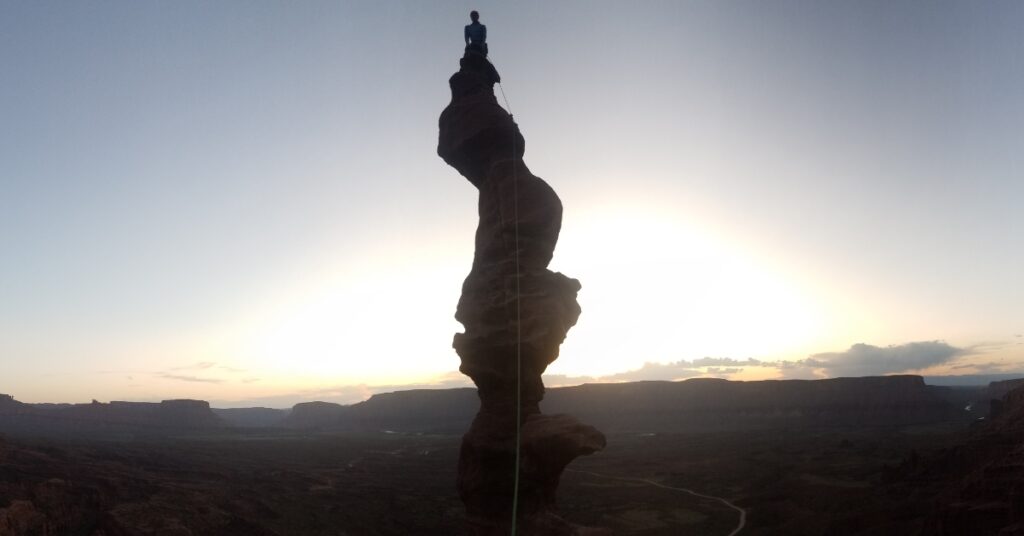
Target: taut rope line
519 326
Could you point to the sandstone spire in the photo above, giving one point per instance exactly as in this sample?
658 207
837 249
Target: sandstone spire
507 312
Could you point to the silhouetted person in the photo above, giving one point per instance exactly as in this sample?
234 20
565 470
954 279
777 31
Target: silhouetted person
476 34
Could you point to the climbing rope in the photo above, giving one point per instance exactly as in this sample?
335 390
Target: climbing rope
509 108
519 328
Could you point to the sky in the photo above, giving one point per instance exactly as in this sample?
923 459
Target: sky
241 201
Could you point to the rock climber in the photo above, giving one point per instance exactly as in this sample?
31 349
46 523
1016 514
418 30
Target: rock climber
476 34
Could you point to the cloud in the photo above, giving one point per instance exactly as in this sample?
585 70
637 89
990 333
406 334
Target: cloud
202 365
662 371
656 371
207 365
725 371
989 347
867 360
987 368
184 378
725 362
178 373
858 360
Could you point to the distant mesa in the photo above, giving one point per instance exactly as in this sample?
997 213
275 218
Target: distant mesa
691 405
999 389
252 417
48 418
413 411
8 405
168 413
708 404
315 415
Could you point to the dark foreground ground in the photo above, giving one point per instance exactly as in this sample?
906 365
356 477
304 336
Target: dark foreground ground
811 481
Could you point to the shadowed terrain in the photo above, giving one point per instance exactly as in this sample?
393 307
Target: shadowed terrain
942 475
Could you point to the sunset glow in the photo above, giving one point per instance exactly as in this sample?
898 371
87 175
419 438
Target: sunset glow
253 212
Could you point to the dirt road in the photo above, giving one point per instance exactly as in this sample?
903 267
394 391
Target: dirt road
743 513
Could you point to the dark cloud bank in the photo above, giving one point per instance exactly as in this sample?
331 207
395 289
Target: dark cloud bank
867 360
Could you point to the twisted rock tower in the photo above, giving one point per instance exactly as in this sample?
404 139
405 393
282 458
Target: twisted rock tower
505 311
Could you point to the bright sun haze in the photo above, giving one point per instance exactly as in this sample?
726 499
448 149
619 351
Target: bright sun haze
243 203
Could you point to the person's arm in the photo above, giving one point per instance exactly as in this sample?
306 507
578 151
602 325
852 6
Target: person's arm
483 39
465 34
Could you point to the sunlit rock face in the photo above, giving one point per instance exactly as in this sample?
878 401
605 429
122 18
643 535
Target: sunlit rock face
480 140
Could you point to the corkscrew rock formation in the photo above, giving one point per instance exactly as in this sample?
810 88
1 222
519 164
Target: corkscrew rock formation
502 315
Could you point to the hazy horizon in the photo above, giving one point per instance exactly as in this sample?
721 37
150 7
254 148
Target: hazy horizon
239 202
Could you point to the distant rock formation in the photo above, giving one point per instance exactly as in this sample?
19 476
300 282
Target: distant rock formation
10 406
418 410
168 413
252 417
509 299
700 404
997 390
314 415
693 405
47 419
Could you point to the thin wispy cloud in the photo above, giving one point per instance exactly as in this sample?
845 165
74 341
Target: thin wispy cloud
202 365
726 362
657 371
187 378
724 370
991 367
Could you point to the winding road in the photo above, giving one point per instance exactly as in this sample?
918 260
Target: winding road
743 513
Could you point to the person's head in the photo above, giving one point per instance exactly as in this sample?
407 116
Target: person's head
474 16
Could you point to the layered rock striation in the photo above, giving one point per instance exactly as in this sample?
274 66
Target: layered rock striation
516 314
